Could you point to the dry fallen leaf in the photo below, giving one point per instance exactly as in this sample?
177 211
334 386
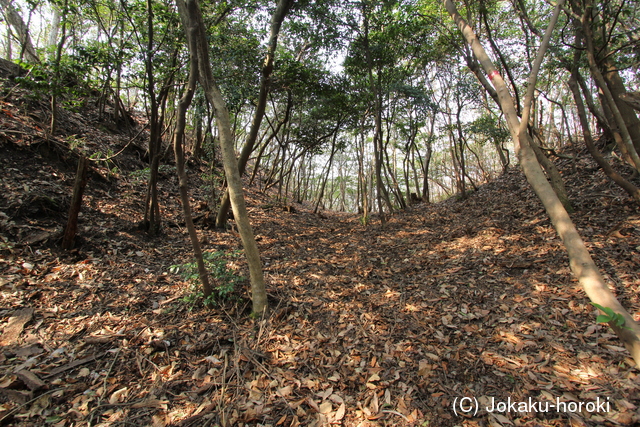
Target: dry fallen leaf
284 391
118 396
151 402
340 412
325 407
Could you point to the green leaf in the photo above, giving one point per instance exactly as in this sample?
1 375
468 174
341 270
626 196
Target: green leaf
606 310
609 316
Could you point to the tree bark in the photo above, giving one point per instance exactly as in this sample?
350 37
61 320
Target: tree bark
192 20
280 13
76 203
580 260
627 146
14 18
627 186
178 149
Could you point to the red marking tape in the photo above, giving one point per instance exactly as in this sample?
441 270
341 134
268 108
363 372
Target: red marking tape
493 74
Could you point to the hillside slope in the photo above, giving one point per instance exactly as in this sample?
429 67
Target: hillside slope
370 326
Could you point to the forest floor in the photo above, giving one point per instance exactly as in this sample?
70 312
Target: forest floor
369 326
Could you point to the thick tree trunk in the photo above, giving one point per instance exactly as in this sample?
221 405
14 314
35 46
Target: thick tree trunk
192 20
580 261
618 90
14 18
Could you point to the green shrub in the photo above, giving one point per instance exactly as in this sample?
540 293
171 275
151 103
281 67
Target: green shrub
224 279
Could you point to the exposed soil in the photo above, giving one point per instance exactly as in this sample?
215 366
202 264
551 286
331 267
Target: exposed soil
369 326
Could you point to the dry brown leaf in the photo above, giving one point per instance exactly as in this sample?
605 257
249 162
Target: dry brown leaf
118 396
501 419
325 407
284 391
312 403
151 403
340 412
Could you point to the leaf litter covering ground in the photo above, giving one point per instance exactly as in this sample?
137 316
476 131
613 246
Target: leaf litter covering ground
369 327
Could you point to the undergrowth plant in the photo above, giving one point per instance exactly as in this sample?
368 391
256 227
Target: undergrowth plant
609 316
224 278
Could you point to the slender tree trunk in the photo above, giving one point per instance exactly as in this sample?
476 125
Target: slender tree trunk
631 189
152 205
362 173
76 203
328 170
192 21
8 51
279 14
627 143
553 174
593 109
461 143
178 149
55 82
580 261
377 133
501 58
426 163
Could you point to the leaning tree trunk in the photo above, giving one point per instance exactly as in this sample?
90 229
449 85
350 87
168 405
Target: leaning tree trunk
265 82
627 146
631 189
13 17
580 260
178 148
192 20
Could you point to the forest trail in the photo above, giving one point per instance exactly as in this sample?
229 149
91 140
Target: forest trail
370 326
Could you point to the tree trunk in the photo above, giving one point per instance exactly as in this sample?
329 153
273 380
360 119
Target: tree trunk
55 81
265 82
618 90
151 221
553 174
76 203
580 261
178 148
631 189
377 133
627 144
192 21
55 27
14 18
